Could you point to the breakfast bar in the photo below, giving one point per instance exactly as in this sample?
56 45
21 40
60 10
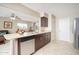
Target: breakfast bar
41 39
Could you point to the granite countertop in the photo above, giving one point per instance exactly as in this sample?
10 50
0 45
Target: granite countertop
25 34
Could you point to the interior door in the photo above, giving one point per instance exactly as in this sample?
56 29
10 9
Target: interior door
64 29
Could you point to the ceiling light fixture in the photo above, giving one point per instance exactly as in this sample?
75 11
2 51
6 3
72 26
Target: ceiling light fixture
12 17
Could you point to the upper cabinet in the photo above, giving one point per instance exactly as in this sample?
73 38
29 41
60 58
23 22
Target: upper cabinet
44 22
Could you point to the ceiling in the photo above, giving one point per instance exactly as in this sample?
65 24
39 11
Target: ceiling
57 9
23 12
60 10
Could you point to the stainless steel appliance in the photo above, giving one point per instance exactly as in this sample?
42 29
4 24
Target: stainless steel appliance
76 32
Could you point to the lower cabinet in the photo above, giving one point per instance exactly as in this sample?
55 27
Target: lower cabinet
33 43
47 37
38 42
41 40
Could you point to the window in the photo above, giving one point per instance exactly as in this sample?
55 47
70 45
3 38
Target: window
22 26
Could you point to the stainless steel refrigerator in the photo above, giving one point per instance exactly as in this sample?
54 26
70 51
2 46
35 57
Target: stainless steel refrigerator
76 32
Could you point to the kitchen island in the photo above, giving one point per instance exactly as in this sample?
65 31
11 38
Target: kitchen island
41 38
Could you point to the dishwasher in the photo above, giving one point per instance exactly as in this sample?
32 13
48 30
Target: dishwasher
28 47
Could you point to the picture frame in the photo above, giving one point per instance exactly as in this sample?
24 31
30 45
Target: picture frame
7 24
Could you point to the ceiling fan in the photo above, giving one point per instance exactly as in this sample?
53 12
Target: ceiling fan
14 17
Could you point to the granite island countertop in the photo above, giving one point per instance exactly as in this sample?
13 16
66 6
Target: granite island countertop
25 34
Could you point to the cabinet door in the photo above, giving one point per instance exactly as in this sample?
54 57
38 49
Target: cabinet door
37 42
48 37
44 22
41 40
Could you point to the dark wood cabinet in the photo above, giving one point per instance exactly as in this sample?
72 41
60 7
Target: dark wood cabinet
41 40
47 37
44 22
38 42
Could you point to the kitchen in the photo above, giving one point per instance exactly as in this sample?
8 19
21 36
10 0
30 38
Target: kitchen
39 29
32 34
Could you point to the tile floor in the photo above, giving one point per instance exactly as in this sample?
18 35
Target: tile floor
58 48
53 48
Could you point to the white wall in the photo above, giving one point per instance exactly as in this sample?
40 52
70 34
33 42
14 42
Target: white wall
53 27
64 29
